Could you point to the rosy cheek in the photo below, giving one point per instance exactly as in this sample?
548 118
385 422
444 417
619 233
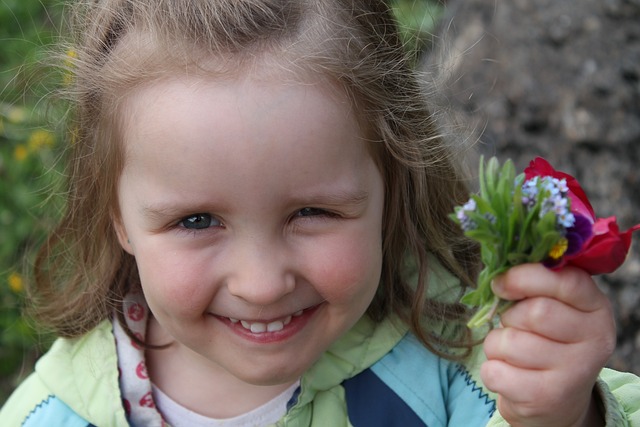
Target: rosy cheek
174 282
349 271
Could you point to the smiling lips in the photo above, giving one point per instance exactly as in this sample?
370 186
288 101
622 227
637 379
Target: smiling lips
262 327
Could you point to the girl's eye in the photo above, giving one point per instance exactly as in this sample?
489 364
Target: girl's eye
198 221
311 212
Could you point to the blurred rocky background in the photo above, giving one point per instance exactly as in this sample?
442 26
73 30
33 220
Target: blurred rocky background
558 79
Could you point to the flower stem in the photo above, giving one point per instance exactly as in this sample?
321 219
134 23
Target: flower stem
488 311
485 314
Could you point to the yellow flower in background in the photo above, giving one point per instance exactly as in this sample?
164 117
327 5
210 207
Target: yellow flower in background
16 284
16 115
40 138
20 152
69 64
71 55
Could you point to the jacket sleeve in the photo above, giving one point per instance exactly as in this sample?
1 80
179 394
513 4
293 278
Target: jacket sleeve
23 401
75 384
620 394
32 405
620 397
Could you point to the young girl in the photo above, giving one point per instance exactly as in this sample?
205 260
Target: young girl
257 233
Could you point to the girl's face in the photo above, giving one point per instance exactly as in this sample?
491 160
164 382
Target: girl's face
254 211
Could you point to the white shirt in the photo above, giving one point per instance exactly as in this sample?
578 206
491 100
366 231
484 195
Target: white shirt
179 416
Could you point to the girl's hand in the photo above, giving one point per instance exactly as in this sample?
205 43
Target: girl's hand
545 360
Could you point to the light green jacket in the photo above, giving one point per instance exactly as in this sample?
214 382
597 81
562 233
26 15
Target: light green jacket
83 374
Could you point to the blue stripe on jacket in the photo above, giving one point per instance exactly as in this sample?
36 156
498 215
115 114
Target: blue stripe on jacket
53 412
410 386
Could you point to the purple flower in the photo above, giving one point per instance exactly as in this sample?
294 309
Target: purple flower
467 223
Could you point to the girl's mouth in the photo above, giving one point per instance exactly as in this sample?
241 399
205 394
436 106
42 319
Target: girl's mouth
261 327
271 330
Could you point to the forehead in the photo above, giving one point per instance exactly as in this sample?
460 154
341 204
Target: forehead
151 66
250 114
155 68
251 93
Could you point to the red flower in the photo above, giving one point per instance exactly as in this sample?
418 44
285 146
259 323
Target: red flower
606 249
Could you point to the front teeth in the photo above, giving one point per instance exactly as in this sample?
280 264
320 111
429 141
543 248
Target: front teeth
260 327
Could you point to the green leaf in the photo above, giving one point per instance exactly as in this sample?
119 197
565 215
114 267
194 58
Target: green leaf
483 236
517 258
483 206
473 298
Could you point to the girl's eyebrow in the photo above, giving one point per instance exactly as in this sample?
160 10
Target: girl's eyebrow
162 212
335 198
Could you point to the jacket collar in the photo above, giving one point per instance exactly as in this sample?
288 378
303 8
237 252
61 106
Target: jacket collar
321 398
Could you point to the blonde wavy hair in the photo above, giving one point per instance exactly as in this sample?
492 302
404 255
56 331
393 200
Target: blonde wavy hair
82 273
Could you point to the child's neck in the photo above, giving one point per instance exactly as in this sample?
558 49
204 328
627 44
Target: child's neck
215 393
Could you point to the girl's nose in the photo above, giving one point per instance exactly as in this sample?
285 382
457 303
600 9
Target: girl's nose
261 275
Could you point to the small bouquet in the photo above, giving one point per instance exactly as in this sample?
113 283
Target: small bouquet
541 215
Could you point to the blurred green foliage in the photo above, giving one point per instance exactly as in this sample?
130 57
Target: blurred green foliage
27 160
29 174
417 19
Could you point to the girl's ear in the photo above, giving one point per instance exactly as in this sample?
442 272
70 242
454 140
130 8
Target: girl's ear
123 238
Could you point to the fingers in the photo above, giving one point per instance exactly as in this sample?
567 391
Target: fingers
555 320
523 385
520 349
571 286
533 397
530 351
564 306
